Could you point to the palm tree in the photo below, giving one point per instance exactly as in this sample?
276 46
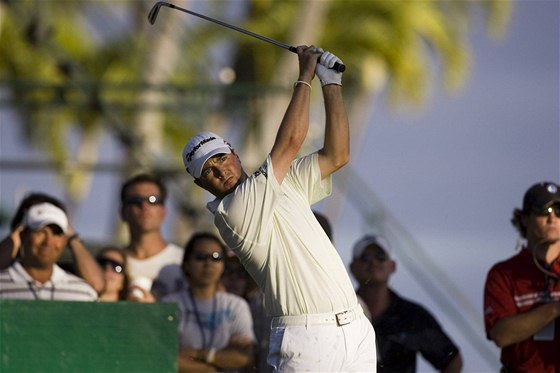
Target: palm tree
102 66
77 69
391 45
92 66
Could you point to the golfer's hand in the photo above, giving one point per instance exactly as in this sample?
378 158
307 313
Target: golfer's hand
325 73
307 61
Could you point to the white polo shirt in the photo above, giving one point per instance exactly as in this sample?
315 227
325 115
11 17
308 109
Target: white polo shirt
16 283
272 229
163 269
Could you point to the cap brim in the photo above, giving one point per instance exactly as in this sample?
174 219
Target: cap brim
41 225
545 203
361 245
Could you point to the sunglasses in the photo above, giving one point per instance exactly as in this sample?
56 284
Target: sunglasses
370 257
202 257
548 210
116 266
139 200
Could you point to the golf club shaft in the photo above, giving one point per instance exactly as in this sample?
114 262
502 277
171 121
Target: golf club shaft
155 10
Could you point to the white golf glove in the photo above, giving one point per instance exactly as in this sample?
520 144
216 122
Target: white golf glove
324 72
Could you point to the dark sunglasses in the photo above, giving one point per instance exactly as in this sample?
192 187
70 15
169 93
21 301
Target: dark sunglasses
379 256
202 257
139 200
548 210
116 266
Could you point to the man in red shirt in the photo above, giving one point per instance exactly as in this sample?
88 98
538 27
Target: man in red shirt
522 294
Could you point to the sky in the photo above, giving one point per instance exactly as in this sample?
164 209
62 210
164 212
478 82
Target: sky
450 175
441 181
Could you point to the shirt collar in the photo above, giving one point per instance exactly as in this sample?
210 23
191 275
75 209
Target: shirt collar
213 205
20 275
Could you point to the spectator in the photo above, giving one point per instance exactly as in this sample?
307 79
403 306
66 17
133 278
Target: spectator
36 275
521 302
85 265
113 262
149 257
402 328
266 219
236 279
216 329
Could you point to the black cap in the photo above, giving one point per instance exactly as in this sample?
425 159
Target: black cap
541 195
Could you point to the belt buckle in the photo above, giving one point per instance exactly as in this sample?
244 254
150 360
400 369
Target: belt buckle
344 318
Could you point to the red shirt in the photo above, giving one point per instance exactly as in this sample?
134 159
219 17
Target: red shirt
515 286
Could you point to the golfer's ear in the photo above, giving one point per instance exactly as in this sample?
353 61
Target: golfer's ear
197 182
392 266
121 211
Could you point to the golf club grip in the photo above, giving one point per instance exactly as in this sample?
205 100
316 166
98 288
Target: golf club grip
337 66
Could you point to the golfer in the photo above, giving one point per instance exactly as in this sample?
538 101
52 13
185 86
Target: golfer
267 220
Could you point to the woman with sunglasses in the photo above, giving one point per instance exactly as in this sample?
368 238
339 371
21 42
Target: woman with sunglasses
113 263
215 327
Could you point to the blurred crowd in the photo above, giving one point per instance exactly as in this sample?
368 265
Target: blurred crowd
223 325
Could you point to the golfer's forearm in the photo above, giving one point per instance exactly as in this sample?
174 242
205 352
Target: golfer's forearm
292 131
295 124
336 147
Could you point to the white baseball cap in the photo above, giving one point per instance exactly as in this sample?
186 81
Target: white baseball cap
43 214
368 240
200 148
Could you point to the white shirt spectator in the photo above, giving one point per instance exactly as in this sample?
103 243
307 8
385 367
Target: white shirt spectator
212 323
163 269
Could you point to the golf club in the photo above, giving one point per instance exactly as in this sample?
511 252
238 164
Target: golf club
155 10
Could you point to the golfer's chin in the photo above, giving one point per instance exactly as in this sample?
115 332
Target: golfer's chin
228 187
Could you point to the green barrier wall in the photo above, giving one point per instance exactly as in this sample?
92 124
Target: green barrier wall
54 336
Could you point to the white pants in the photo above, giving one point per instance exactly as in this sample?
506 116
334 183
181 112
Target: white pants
323 347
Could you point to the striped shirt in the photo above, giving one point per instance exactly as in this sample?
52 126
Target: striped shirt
16 283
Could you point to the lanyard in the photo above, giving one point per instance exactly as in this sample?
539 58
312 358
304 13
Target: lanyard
35 295
211 325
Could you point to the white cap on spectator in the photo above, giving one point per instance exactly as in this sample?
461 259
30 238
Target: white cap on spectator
43 214
368 240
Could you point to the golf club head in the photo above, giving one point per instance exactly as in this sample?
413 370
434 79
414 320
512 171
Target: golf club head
155 10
